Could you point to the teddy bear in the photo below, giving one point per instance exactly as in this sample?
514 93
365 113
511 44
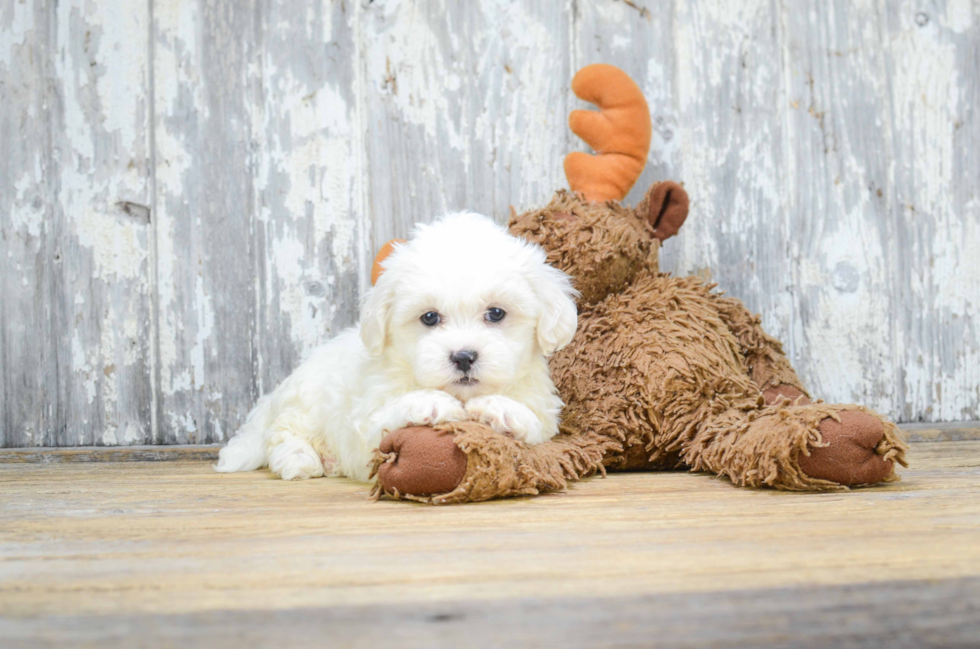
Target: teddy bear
663 372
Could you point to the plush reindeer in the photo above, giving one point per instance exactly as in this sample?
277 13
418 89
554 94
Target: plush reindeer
663 371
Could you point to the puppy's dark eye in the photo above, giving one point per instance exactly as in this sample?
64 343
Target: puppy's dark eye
431 319
495 314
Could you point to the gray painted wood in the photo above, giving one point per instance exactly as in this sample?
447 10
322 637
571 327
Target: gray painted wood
257 198
139 453
964 431
204 57
311 219
933 65
903 614
74 197
465 105
191 192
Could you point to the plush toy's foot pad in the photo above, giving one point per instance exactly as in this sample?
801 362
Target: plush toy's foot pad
420 461
850 457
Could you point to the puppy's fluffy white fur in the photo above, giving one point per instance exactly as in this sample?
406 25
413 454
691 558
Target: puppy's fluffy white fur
394 370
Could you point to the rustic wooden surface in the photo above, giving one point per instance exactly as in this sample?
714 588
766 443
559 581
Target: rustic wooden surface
108 554
140 453
896 614
914 433
191 191
952 432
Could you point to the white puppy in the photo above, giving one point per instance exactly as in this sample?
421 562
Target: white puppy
458 327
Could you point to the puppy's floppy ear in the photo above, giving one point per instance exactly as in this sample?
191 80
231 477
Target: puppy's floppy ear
559 315
375 316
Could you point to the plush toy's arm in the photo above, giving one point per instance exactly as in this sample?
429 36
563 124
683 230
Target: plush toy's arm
468 462
768 366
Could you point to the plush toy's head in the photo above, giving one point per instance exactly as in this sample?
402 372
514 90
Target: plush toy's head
587 232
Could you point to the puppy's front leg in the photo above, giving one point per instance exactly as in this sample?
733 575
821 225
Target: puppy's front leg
421 408
504 415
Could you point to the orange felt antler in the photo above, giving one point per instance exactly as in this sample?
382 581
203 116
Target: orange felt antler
619 133
376 267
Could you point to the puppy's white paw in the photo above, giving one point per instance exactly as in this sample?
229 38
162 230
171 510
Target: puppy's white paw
420 408
294 459
504 415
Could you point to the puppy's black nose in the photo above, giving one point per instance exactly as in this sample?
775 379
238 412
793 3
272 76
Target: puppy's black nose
463 359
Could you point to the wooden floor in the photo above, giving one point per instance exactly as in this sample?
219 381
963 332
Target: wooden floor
173 554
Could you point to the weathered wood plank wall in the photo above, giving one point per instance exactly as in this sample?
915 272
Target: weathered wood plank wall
191 191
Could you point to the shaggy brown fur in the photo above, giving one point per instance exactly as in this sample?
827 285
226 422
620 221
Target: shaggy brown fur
602 246
664 372
497 465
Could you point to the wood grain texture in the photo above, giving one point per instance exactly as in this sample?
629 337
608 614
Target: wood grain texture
74 211
205 250
147 453
933 67
943 432
466 108
176 548
914 433
256 190
311 220
901 614
191 192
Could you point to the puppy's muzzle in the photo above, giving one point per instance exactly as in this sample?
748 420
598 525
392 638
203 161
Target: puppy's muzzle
463 359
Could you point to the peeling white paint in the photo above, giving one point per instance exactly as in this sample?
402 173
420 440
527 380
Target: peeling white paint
205 328
27 212
121 38
417 79
959 15
174 160
116 250
109 381
82 368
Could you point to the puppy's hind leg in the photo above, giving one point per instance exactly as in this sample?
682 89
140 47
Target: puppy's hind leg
292 456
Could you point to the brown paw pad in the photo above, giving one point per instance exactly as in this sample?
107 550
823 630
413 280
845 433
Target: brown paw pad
423 462
849 457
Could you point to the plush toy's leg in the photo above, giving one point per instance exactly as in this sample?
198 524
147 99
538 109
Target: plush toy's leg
768 366
467 462
800 448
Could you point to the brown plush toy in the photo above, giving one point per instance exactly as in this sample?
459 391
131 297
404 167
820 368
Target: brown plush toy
663 371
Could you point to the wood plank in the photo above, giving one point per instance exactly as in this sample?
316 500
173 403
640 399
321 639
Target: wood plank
310 232
259 241
905 614
837 186
932 71
75 269
943 432
135 539
466 105
204 75
914 433
160 453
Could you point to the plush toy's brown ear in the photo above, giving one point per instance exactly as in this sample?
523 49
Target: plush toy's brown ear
377 268
665 207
